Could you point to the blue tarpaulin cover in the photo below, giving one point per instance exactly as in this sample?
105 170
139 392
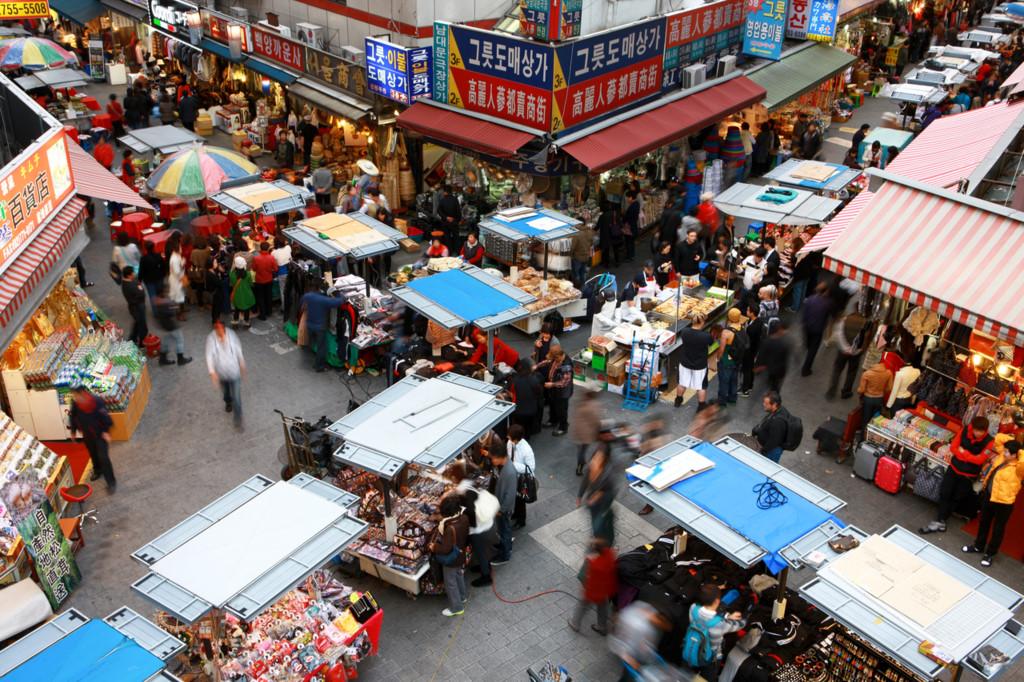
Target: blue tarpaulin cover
463 295
727 492
94 652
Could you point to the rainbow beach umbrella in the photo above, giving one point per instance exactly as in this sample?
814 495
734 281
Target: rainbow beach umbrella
34 54
198 171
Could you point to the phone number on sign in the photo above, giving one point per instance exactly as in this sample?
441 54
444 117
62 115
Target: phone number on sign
24 10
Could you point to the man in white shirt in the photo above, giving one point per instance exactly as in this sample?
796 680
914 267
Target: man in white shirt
753 269
226 364
374 197
521 455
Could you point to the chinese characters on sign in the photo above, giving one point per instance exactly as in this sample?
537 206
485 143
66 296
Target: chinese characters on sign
701 33
763 33
31 193
398 73
51 555
797 15
278 49
822 24
336 71
552 20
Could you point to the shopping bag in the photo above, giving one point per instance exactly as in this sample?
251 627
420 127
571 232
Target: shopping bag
302 335
527 486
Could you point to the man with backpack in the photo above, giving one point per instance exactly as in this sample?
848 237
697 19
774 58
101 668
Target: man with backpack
731 348
702 646
778 430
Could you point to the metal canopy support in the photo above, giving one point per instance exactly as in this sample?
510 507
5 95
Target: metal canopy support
807 209
329 250
434 455
890 636
838 181
176 600
145 633
507 231
163 139
297 199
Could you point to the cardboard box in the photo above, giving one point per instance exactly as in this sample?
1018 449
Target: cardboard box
125 422
402 225
409 246
601 344
617 368
599 362
616 380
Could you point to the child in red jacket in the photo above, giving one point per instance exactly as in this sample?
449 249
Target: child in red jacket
600 583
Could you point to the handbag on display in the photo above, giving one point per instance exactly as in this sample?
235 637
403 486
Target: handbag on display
928 481
991 383
526 487
364 607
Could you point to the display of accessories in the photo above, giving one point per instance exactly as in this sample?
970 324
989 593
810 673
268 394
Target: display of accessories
319 625
42 366
852 660
910 430
21 455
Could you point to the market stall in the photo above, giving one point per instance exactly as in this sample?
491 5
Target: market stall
407 434
335 238
53 78
552 294
887 137
466 296
209 568
508 234
944 78
778 205
912 99
123 646
159 139
258 203
826 178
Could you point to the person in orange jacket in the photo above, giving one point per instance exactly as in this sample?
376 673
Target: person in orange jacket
1001 482
502 351
103 152
970 453
472 252
600 583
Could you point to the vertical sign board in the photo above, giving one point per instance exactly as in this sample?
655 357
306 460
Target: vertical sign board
822 23
276 48
492 73
763 33
552 20
217 28
696 34
31 192
97 63
797 16
399 73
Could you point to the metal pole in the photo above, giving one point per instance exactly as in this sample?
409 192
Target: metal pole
958 671
490 348
779 607
545 260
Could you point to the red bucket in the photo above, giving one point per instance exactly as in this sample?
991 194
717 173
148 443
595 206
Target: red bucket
152 345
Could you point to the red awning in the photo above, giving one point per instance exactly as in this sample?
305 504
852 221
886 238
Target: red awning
940 250
462 130
831 230
624 141
93 180
38 257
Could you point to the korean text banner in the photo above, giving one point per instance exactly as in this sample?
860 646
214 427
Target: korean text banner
763 34
278 49
603 72
552 20
399 73
822 23
495 74
695 34
797 15
31 192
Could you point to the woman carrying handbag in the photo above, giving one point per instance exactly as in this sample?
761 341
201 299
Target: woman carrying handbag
449 549
521 455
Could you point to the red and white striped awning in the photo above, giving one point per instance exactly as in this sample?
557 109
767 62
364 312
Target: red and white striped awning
831 230
93 180
937 250
38 257
952 147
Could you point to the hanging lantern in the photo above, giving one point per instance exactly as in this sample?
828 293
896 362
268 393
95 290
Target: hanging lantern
265 85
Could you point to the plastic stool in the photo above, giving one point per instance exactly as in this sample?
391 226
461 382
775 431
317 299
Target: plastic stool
78 493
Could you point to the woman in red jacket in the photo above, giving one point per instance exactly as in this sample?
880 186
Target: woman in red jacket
970 452
600 584
502 351
472 252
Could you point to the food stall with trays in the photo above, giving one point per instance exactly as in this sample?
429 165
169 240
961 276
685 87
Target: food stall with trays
508 236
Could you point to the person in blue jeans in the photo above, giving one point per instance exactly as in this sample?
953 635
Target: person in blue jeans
770 432
504 484
317 308
731 348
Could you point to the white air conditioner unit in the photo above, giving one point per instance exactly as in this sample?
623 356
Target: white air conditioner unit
280 29
310 34
725 66
240 13
694 75
353 54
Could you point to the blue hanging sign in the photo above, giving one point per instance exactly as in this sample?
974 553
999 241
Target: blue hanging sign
399 73
823 17
764 30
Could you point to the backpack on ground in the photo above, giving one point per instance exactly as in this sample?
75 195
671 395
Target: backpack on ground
794 432
697 649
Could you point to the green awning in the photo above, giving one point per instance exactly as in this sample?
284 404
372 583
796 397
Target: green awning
799 72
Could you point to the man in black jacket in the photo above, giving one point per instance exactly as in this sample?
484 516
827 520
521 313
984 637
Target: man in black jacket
89 416
771 430
151 272
135 297
503 486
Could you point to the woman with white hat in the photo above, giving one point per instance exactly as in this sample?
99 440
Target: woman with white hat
242 297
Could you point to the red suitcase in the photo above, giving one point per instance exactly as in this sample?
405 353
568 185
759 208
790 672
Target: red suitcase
889 474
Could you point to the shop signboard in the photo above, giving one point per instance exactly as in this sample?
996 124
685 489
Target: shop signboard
823 17
37 523
797 15
37 9
696 34
97 63
216 26
32 188
336 72
277 48
492 73
763 33
552 20
399 73
171 16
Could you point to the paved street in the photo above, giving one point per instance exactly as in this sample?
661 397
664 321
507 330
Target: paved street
186 452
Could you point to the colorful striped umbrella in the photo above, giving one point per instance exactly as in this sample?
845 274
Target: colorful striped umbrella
34 54
198 171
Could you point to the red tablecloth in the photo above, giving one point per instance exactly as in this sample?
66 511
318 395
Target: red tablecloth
269 224
159 239
205 225
171 208
134 223
103 121
90 103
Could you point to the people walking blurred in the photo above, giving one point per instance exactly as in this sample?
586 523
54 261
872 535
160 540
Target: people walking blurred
600 584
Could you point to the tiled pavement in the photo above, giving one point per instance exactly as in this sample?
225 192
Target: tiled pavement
185 453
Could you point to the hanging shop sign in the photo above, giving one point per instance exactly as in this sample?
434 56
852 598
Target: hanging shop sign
797 15
216 26
336 71
399 73
552 20
39 9
823 18
764 30
276 48
171 16
696 34
491 73
31 192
